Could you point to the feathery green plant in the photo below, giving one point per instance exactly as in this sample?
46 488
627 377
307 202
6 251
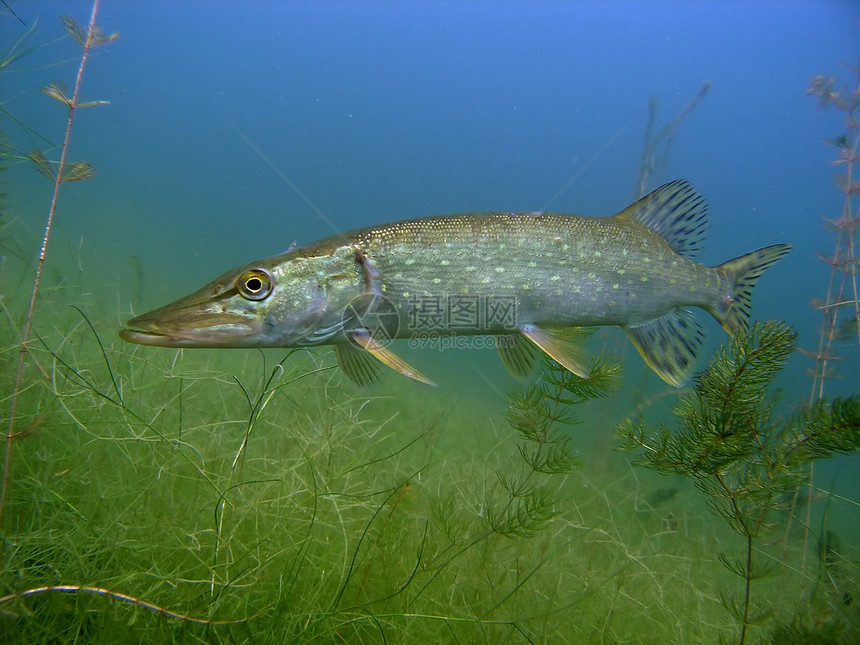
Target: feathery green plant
539 414
88 38
735 448
840 307
342 519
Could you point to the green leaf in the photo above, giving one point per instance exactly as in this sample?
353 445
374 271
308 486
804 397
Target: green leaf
76 30
78 171
736 566
94 38
57 91
87 104
19 48
42 164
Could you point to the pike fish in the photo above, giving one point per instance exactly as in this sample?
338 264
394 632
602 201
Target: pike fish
526 278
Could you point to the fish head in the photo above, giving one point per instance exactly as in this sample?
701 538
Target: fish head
285 301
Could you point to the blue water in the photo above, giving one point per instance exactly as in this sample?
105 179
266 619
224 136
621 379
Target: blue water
377 111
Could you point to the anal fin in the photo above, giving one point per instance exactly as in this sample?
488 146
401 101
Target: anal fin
518 355
669 345
560 345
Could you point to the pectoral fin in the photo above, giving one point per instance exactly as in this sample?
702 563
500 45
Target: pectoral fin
560 345
357 366
669 345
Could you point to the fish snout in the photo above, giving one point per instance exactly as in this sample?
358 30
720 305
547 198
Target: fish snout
194 326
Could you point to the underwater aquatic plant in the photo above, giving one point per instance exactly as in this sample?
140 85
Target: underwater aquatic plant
4 158
88 38
655 154
734 447
535 412
841 305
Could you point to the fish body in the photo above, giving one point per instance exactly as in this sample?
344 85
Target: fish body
524 277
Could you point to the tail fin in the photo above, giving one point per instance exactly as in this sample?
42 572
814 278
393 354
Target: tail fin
733 313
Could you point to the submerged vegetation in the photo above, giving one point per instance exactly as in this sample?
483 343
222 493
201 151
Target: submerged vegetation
736 450
282 508
542 415
170 496
658 145
840 307
63 171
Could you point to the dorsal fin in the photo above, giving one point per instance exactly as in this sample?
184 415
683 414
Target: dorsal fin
676 212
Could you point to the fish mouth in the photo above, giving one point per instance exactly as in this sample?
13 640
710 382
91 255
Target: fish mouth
153 338
190 329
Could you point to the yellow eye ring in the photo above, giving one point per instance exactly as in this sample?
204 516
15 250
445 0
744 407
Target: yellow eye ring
255 284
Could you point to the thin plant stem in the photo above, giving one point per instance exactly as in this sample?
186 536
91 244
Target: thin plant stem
123 597
43 251
841 290
747 589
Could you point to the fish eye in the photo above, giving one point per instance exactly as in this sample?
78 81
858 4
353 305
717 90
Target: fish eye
255 284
